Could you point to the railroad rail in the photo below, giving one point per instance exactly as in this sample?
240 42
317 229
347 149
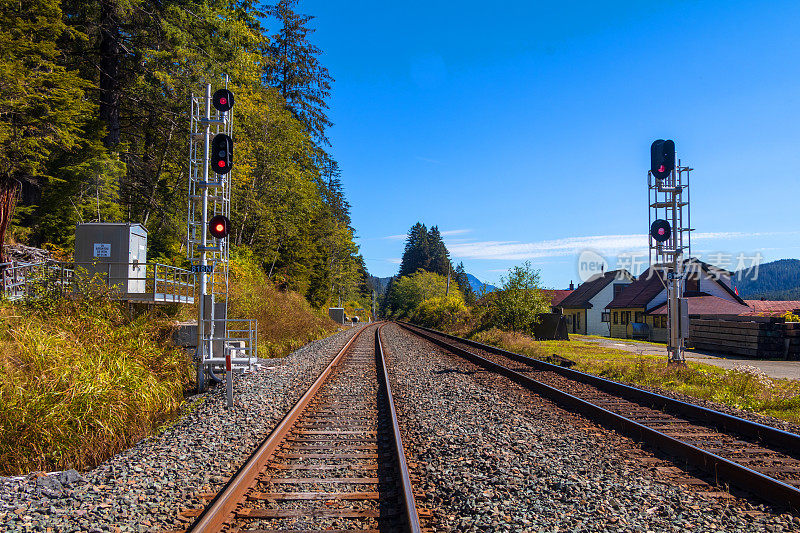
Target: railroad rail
762 460
335 461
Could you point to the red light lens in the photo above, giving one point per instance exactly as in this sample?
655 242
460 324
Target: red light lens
223 100
661 168
221 164
220 228
661 231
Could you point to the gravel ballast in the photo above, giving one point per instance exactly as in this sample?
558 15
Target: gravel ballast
146 487
489 455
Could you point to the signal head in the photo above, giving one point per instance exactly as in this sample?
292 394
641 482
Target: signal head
660 230
662 158
221 154
219 226
222 100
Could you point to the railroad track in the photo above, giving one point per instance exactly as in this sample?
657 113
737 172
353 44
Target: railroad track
762 460
334 463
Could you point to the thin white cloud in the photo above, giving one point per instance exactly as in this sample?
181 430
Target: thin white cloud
454 232
428 160
515 250
394 237
394 260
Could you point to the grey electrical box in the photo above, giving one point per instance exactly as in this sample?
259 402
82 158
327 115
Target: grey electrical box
336 314
115 251
685 318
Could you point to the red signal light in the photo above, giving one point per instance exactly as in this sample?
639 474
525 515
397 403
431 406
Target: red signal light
220 164
219 226
222 100
660 231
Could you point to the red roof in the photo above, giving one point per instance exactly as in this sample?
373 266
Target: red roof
579 298
640 292
707 305
556 295
771 307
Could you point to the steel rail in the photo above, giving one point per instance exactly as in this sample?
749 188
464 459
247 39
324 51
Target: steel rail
412 518
723 469
214 516
790 442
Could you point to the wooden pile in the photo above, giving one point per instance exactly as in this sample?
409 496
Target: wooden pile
767 338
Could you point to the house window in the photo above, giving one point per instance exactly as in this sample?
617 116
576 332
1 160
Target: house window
692 283
639 316
626 317
605 316
615 318
578 321
618 288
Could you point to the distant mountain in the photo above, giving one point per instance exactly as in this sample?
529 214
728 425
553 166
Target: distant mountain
477 285
777 280
379 284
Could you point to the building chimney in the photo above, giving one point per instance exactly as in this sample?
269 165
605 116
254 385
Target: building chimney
571 285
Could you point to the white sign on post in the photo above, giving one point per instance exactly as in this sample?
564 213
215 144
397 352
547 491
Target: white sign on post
102 249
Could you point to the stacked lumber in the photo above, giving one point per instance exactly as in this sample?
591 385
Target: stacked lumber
771 339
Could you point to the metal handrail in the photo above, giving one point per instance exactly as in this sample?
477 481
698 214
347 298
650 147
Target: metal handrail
155 282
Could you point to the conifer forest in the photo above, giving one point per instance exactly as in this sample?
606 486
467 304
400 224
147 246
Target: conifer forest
94 99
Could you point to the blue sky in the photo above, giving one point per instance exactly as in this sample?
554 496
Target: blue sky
522 129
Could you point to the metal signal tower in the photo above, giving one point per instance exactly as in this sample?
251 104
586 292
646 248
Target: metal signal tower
670 241
222 342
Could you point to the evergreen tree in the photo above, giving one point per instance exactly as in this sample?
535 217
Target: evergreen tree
438 259
461 279
42 104
295 70
416 253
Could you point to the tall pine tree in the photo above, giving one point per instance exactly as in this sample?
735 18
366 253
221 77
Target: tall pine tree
296 71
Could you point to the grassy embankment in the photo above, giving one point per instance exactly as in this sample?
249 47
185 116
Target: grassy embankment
81 381
746 388
286 321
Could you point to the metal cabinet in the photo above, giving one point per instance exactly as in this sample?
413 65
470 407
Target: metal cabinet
117 252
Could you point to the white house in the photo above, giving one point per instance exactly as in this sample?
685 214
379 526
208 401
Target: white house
584 306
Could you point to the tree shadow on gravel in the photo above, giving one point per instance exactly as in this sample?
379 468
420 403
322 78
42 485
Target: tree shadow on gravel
456 371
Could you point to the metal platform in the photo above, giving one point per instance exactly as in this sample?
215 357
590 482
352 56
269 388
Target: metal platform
153 283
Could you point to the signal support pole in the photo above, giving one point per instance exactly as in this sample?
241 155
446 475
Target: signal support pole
670 239
203 350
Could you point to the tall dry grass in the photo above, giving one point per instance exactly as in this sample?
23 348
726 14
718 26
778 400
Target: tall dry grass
79 381
286 321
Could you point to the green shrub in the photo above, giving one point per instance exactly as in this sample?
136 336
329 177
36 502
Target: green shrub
442 312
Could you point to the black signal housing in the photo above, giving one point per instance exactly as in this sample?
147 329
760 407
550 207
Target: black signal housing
660 230
219 226
662 158
222 153
222 100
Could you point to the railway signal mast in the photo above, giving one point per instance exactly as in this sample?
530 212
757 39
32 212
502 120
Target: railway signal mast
208 227
670 237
